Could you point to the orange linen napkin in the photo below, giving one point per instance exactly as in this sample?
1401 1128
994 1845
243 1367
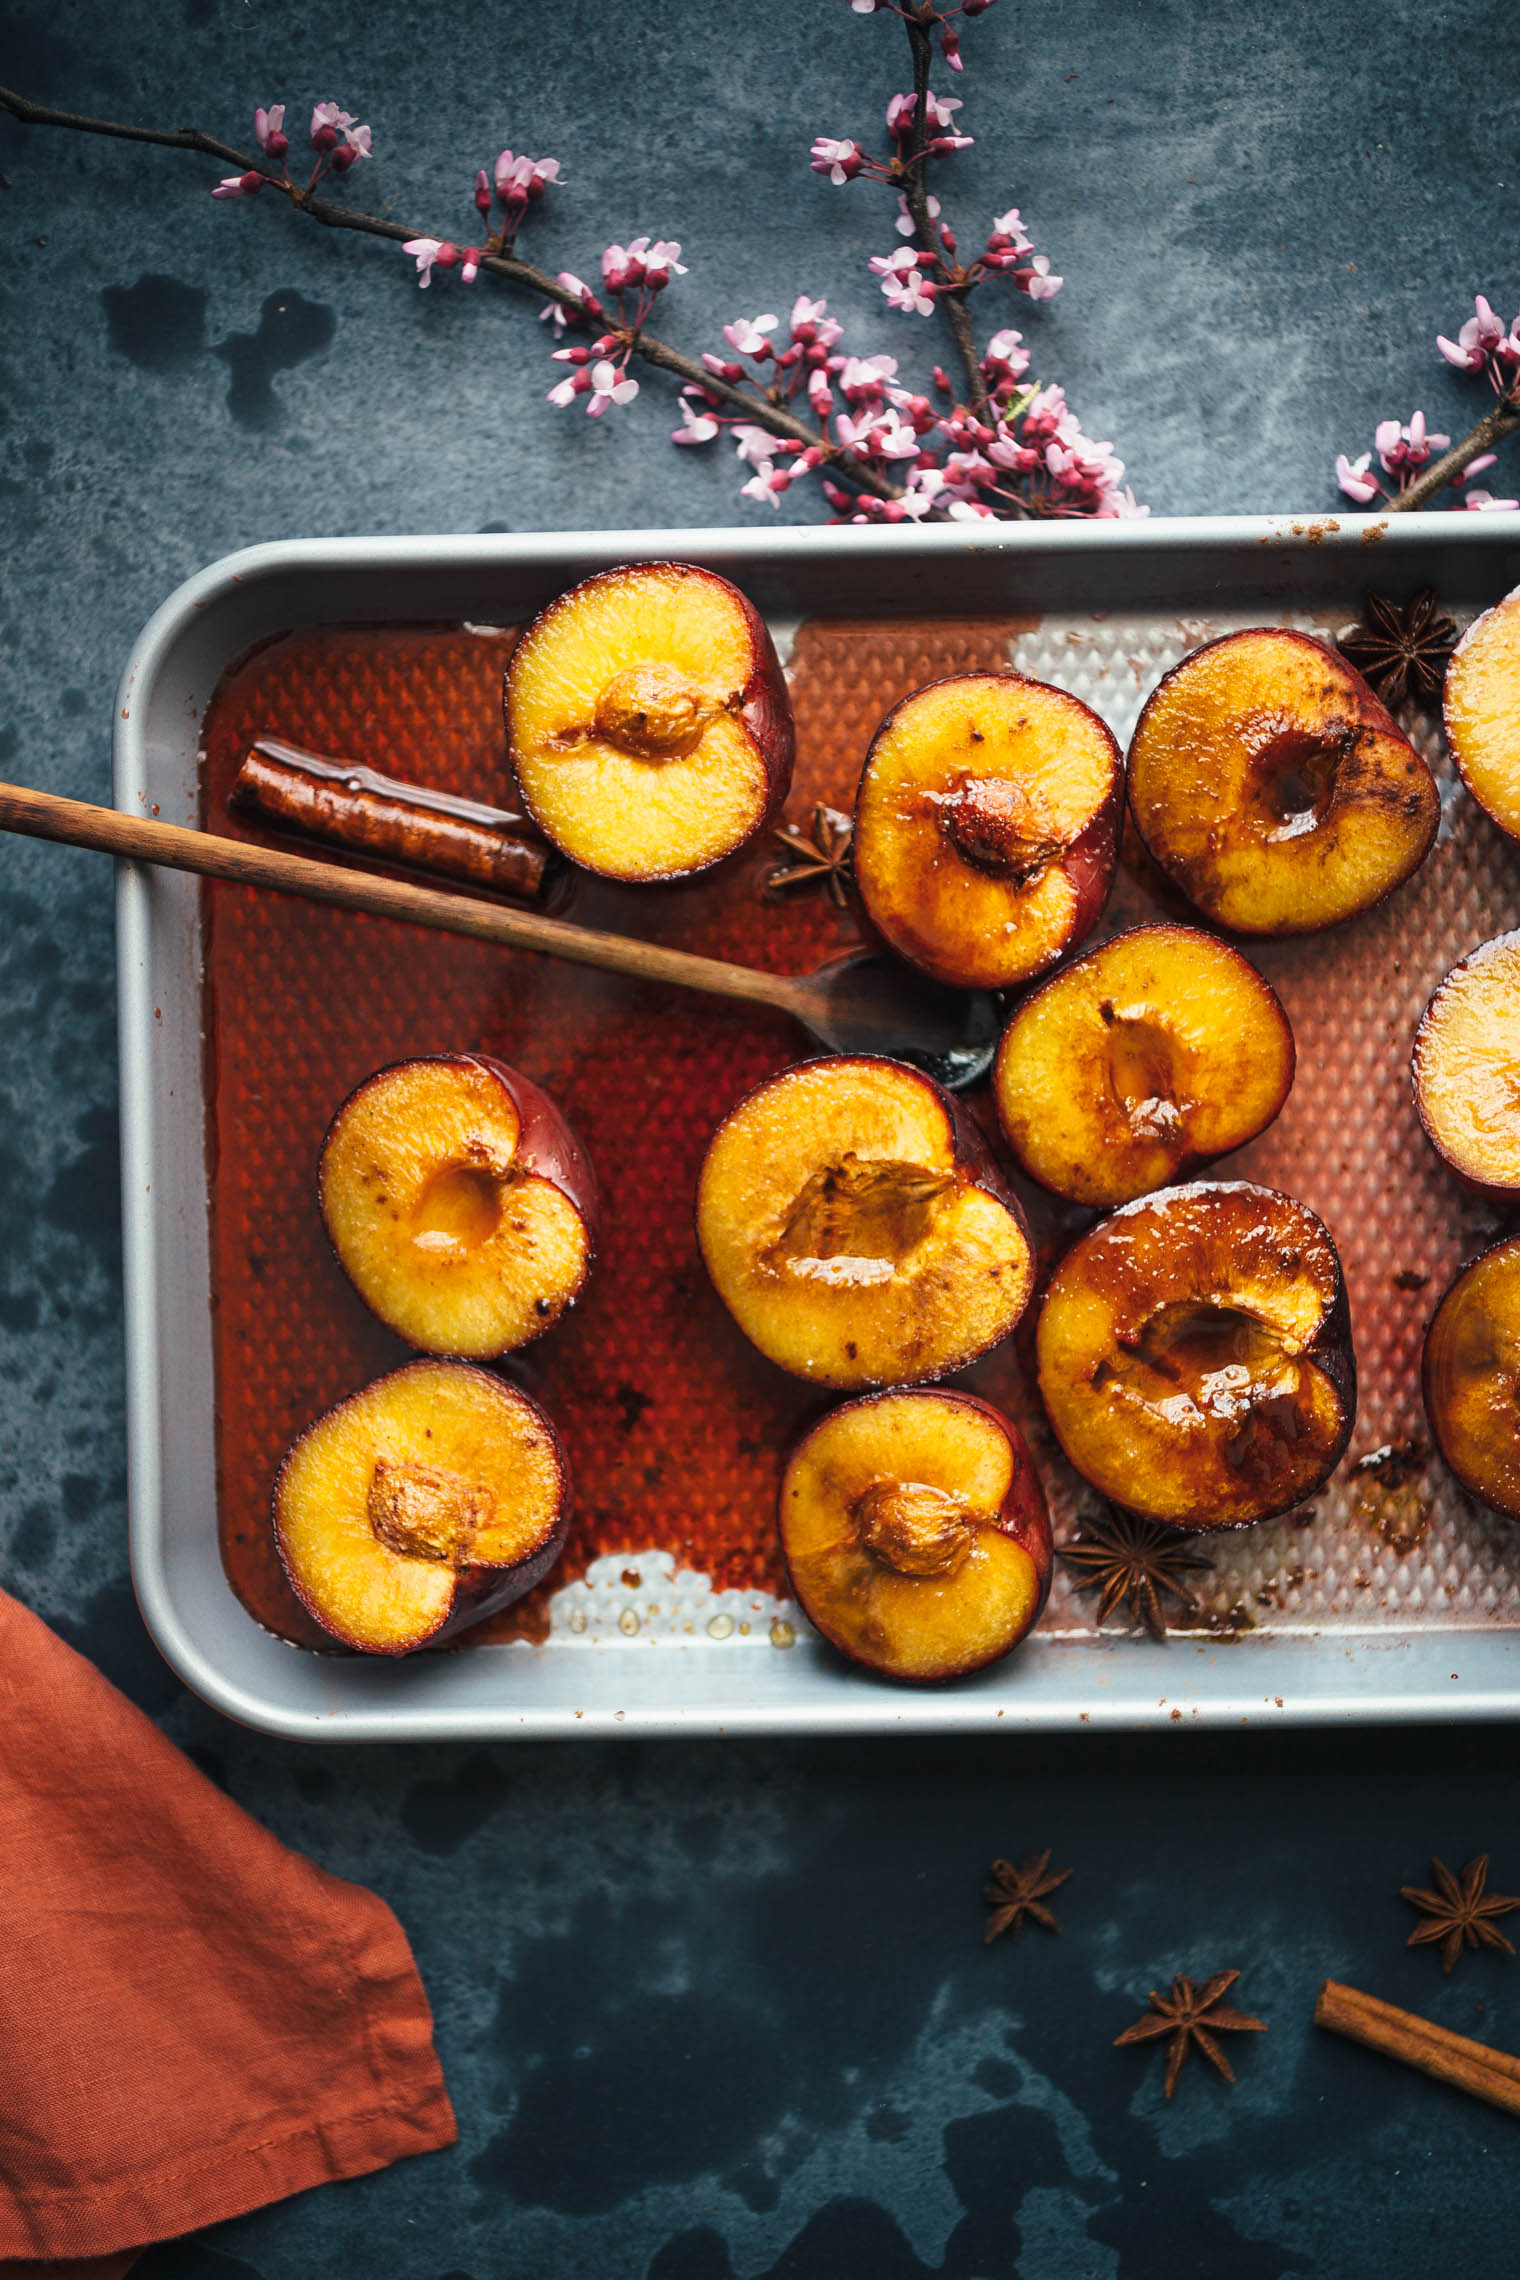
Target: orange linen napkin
193 2021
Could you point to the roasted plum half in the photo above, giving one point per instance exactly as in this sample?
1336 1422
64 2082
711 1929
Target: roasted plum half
1472 1377
986 827
915 1533
1466 1069
648 721
1482 706
1195 1355
432 1498
1274 788
854 1225
460 1204
1157 1052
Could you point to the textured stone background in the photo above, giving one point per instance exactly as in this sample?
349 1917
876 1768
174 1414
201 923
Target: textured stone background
722 2012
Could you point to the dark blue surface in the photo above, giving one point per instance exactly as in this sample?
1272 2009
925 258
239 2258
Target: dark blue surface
711 2013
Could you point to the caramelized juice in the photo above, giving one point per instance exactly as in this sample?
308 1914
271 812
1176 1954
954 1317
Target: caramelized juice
677 1430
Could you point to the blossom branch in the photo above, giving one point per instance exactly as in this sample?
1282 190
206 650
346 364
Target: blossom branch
915 190
755 407
1494 426
1483 346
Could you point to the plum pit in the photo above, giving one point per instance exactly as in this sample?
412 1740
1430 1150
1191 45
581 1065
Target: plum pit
911 1528
425 1513
653 712
998 827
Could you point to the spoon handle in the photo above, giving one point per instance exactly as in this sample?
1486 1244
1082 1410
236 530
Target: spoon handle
76 823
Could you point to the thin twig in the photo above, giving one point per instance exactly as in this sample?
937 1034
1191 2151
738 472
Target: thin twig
952 297
1494 426
758 408
916 191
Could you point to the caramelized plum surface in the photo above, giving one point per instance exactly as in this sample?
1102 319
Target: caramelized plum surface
915 1533
435 1496
648 721
1482 706
1158 1051
1472 1377
1274 788
854 1226
1466 1069
986 827
460 1204
1195 1355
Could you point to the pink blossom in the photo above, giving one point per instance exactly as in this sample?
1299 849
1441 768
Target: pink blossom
1474 467
756 445
811 324
1353 477
240 185
819 395
609 385
746 336
938 145
837 157
1483 502
696 427
469 261
863 378
722 367
327 123
565 391
865 7
1006 359
268 130
767 485
430 254
905 224
900 117
661 260
1508 350
358 145
1482 335
555 312
1037 281
1402 449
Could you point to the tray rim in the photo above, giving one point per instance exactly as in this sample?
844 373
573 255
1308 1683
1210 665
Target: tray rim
1104 1695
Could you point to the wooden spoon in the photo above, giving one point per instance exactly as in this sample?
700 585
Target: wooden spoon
861 1003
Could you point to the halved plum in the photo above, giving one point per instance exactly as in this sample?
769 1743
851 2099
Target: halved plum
986 827
915 1533
1466 1069
855 1227
1482 708
1195 1355
648 721
1472 1377
1158 1051
426 1501
1274 788
460 1204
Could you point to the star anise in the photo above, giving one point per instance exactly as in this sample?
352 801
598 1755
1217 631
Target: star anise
822 857
1129 1559
1015 1893
1192 2015
1456 1912
1402 652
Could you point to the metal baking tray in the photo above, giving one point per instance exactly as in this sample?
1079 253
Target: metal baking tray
1356 1612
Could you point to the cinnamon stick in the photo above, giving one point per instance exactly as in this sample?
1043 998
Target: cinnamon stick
1466 2065
378 815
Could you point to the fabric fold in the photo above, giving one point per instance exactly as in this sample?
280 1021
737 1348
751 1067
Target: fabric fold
194 2020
